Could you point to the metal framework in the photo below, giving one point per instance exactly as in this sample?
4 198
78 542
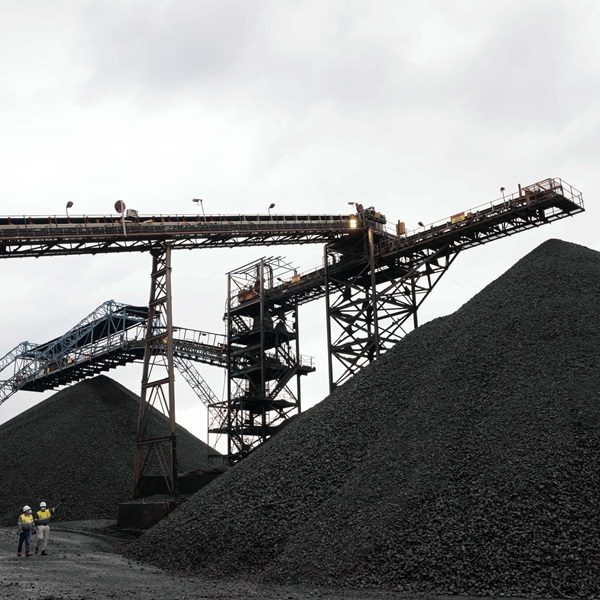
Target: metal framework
375 283
58 236
13 355
156 451
370 307
108 333
373 280
122 343
264 362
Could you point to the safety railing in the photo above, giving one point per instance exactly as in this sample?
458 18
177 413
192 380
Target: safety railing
503 204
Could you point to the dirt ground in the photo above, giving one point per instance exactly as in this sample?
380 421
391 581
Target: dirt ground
83 563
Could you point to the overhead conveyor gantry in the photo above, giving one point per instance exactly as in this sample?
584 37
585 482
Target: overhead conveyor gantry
111 336
105 234
374 280
374 284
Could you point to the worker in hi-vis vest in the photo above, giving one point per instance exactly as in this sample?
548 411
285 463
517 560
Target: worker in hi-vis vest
42 522
25 526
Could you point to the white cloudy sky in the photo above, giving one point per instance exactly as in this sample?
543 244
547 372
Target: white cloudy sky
422 108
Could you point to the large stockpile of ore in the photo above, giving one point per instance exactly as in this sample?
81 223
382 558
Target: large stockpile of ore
465 460
79 444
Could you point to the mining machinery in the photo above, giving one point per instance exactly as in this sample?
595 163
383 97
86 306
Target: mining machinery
374 279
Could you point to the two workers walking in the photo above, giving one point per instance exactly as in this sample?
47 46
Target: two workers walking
28 524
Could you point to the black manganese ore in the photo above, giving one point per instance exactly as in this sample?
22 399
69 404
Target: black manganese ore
466 460
79 444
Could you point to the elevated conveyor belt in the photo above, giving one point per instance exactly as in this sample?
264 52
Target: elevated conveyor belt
111 336
530 207
100 234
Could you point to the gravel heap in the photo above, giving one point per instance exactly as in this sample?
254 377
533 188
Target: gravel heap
465 460
79 444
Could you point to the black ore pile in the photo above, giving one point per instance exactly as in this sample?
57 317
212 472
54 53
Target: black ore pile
465 460
79 444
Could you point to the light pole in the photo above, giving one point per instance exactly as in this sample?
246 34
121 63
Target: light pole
199 201
502 190
69 205
272 205
120 208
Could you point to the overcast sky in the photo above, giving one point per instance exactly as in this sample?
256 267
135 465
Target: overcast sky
421 108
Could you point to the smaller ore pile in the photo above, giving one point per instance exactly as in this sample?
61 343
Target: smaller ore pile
466 460
79 444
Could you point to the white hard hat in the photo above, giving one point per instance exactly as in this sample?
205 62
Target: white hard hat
42 505
26 508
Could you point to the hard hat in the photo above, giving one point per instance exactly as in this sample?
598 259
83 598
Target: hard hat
26 508
42 505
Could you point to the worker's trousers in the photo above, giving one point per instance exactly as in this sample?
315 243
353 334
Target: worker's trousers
43 535
24 537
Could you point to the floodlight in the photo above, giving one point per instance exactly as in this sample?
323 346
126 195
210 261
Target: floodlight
201 202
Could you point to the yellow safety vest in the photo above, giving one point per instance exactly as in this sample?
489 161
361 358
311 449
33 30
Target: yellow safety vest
43 514
26 521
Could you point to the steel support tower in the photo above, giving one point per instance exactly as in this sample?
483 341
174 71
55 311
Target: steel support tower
156 451
372 305
264 362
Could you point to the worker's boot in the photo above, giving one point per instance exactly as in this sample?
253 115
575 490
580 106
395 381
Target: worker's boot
44 553
37 549
18 554
28 554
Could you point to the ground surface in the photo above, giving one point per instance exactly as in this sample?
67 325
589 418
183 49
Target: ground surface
84 564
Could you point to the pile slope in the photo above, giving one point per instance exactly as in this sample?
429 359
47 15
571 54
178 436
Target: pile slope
79 444
464 460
